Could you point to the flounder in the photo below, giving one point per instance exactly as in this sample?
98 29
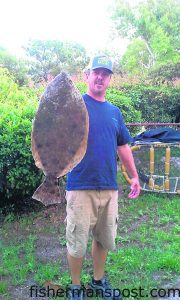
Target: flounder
59 135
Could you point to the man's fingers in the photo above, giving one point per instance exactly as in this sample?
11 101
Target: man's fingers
135 190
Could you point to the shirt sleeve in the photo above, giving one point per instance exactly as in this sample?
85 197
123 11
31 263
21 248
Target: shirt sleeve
124 136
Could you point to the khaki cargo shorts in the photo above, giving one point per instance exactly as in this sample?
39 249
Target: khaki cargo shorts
91 210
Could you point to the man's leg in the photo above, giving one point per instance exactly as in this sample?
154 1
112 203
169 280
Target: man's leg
75 266
99 255
105 232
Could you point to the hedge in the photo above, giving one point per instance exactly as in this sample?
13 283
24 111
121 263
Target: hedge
121 100
18 174
156 103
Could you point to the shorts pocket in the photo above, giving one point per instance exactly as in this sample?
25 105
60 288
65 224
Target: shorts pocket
76 237
71 234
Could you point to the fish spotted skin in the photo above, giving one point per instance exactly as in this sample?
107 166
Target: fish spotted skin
59 135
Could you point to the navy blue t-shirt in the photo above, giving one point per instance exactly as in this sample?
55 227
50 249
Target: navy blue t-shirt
98 168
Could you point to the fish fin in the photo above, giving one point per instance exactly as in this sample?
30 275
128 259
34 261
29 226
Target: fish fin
49 192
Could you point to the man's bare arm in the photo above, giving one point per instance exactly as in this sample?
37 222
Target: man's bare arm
126 157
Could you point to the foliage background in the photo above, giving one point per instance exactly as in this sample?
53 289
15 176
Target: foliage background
18 174
156 103
145 85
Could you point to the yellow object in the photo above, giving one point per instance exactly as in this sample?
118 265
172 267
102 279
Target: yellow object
157 187
123 169
151 183
166 184
126 177
135 147
125 174
152 153
167 161
151 163
167 168
151 167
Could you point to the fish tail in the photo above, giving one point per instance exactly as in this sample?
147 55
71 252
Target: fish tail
49 192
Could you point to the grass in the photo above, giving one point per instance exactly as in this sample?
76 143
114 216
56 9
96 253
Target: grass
17 260
147 253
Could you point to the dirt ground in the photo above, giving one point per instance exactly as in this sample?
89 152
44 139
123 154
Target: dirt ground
48 224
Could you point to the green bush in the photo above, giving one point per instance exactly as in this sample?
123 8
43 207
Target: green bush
156 103
122 100
18 174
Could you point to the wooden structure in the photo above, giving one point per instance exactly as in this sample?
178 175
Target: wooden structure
166 182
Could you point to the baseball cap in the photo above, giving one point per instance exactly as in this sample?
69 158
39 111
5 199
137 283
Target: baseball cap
101 61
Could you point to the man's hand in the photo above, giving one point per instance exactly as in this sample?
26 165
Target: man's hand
126 157
135 188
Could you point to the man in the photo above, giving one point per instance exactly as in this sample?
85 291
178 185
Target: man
92 191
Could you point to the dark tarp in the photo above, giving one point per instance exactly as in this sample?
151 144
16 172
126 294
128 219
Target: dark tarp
162 135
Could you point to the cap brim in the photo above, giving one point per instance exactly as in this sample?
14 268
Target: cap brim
99 67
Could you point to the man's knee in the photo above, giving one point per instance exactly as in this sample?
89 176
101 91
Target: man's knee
76 253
